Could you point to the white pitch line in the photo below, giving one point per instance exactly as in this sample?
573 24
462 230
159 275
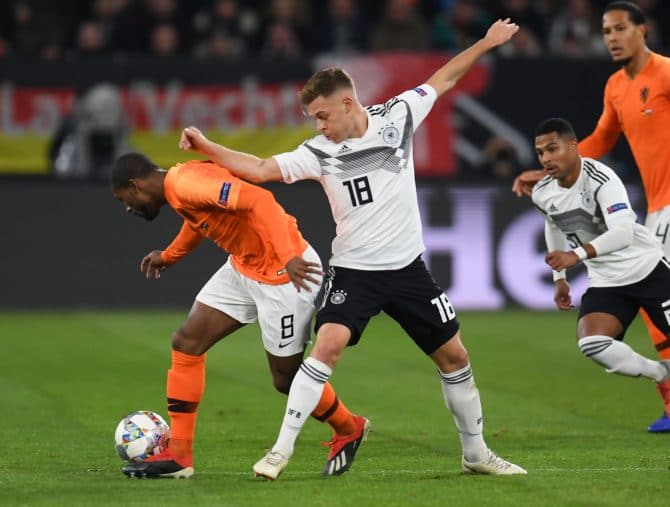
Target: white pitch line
610 469
381 473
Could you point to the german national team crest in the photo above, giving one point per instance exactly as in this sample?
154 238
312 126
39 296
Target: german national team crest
390 135
338 297
587 200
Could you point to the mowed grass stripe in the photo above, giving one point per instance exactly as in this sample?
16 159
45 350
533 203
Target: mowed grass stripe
66 379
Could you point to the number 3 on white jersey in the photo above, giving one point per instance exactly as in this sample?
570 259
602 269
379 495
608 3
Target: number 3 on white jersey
447 311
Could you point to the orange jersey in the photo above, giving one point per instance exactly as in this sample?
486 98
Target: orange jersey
241 218
640 108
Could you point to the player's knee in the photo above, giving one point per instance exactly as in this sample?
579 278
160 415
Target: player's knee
451 356
183 342
328 353
330 343
458 358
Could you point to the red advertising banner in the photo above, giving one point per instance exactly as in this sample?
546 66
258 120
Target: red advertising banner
251 105
160 109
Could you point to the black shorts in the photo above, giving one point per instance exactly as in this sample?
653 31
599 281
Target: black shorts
409 296
651 293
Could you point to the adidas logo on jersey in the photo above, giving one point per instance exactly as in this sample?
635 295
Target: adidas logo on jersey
553 208
343 149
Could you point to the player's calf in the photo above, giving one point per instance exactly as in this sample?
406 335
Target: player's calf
617 357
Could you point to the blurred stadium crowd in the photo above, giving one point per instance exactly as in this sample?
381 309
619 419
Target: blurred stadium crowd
80 29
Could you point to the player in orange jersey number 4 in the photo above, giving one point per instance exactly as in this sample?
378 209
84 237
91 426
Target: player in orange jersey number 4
272 275
637 103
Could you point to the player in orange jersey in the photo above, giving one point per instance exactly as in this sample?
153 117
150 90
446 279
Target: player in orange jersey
272 275
637 104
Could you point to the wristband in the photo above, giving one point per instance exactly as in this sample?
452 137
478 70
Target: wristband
581 253
558 275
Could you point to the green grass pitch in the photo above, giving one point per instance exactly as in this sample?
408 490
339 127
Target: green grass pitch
67 378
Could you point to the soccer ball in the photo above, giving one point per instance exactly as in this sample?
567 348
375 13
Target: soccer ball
140 435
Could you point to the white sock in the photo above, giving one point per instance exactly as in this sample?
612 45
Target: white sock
304 396
617 357
462 399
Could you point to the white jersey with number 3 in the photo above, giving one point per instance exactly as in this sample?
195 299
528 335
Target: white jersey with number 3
596 202
370 184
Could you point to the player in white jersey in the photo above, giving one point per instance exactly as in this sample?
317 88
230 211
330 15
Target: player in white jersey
363 160
585 203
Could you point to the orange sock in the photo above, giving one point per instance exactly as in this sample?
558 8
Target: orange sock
662 344
663 389
331 410
659 339
185 387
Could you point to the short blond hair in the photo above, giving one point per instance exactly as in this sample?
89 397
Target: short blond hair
324 83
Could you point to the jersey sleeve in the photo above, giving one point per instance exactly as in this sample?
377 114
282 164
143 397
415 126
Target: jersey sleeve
614 203
420 101
299 164
607 131
187 239
556 241
619 217
215 188
203 188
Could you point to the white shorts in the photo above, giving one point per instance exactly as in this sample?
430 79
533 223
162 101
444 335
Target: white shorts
658 223
283 313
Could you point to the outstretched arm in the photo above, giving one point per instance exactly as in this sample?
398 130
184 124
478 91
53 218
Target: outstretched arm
601 140
156 261
447 76
246 166
607 131
187 239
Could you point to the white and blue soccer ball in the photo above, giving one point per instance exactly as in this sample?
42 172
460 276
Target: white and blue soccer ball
140 435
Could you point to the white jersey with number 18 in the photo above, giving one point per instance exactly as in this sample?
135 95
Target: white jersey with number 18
370 184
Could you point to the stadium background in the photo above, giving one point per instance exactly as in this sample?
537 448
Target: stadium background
232 68
85 338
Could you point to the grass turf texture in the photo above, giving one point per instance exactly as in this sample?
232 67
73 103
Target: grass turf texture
67 378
